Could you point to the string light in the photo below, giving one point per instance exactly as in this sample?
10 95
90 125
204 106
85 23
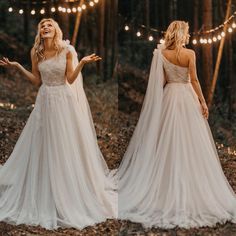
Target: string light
32 12
138 34
223 34
205 37
150 38
42 11
126 28
162 41
53 9
91 4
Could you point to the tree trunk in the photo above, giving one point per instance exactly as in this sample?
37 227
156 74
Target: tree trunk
207 69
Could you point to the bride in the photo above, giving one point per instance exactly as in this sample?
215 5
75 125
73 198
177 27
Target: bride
56 175
171 174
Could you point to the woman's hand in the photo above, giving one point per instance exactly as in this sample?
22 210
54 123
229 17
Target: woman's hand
91 58
6 63
205 112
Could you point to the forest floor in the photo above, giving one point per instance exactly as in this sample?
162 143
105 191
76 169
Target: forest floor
114 130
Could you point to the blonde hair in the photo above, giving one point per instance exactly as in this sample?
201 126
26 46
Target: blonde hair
38 47
176 35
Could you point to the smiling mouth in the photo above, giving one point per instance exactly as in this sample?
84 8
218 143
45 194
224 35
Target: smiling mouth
46 32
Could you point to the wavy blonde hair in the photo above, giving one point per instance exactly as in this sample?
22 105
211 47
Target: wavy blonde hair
176 35
57 40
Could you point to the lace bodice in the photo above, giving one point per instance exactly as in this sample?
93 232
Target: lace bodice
175 73
53 70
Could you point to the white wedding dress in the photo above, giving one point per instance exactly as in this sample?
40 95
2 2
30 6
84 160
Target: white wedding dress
56 175
170 174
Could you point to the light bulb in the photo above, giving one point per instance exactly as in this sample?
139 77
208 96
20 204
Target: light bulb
126 28
53 9
59 8
96 1
162 41
68 10
74 9
201 40
234 25
91 4
21 11
223 34
32 12
214 39
138 34
42 11
10 9
83 6
209 41
194 41
219 37
64 9
79 9
150 38
230 30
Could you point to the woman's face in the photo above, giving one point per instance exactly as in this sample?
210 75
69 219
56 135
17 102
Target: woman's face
47 30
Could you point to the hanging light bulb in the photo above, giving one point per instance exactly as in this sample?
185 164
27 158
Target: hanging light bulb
223 34
83 6
205 41
150 38
96 1
138 34
53 9
21 11
32 12
230 30
79 9
126 28
233 25
214 39
42 11
10 9
209 40
64 9
91 4
219 37
74 9
201 40
68 10
59 8
162 41
194 41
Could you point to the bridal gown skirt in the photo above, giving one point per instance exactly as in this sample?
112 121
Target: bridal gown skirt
56 175
182 182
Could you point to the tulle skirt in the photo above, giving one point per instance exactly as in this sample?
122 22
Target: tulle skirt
181 183
56 175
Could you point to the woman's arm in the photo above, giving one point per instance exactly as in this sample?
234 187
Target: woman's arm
196 84
33 76
71 73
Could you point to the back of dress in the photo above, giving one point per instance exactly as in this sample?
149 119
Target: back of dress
175 73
